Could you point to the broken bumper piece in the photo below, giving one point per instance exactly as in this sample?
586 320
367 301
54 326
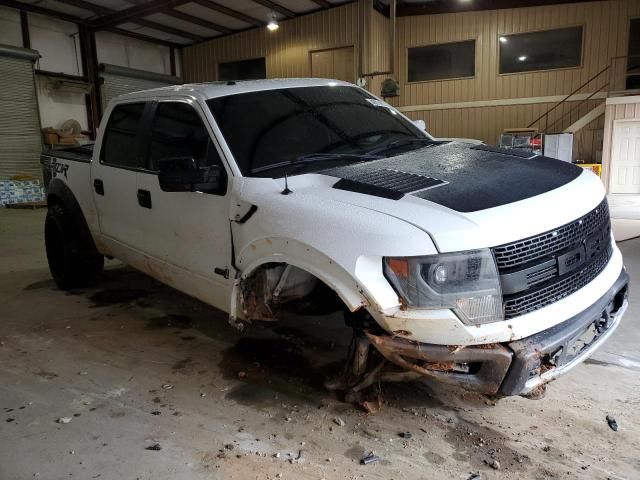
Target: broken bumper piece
540 358
519 367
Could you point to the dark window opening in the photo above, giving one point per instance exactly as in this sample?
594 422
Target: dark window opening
439 62
265 129
633 63
178 132
548 50
119 146
254 69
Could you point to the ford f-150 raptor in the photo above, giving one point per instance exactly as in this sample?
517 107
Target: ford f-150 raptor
468 264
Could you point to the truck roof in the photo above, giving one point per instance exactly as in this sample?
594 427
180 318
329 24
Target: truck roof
218 89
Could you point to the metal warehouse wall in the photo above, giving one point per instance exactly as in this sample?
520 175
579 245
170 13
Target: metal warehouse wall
287 50
498 101
442 103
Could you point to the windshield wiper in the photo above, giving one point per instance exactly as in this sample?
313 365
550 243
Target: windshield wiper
317 157
399 144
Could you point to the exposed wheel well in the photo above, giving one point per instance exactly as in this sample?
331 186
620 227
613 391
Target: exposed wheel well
276 287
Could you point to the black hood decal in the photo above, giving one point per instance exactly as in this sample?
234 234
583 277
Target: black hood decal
468 178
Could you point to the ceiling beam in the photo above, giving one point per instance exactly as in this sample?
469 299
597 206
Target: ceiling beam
92 7
133 13
447 6
230 12
100 10
276 8
197 20
27 7
143 37
322 3
167 29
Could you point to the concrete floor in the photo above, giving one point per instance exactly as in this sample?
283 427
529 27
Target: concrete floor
625 215
133 363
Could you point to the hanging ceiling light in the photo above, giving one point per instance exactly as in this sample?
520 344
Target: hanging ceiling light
273 22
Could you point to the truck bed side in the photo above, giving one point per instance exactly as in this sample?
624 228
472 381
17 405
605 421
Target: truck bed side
67 180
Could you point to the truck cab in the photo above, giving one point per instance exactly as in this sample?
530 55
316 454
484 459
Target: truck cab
455 261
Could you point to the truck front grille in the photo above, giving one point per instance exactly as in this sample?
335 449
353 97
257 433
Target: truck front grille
516 305
518 253
554 264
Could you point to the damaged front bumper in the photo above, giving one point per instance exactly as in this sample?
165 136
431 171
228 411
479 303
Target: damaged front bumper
518 367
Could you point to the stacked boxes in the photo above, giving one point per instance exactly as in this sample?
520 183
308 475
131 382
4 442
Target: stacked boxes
20 191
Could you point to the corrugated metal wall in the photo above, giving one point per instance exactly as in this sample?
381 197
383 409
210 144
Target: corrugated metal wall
287 50
606 29
376 46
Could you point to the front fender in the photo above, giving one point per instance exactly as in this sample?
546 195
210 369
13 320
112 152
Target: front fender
305 257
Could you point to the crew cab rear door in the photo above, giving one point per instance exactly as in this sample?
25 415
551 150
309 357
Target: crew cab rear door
187 231
114 175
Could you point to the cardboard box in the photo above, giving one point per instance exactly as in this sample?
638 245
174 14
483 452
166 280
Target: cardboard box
50 136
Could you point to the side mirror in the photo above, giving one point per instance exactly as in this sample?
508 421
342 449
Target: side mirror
420 124
182 174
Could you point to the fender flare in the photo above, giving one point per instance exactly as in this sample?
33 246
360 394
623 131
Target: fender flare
58 192
304 257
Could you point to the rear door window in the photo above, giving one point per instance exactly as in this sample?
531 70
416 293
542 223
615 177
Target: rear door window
120 147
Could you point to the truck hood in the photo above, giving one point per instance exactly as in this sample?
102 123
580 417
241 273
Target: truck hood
463 196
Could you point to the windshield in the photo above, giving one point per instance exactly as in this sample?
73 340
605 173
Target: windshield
273 127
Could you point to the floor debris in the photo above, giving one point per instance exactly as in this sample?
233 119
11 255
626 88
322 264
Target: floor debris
612 423
155 447
64 420
338 421
371 458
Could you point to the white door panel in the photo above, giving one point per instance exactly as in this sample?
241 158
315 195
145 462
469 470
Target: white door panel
118 207
625 158
114 175
188 231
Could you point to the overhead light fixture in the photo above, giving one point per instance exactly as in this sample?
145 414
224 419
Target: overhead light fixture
522 58
272 26
503 39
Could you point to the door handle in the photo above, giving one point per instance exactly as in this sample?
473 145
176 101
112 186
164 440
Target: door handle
144 198
98 186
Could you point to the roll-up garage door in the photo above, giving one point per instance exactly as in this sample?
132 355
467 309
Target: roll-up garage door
20 140
119 80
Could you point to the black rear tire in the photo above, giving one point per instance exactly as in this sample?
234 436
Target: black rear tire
72 263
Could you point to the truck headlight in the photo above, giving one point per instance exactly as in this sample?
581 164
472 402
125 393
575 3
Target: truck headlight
465 282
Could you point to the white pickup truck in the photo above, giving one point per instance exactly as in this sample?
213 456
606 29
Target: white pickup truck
459 262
